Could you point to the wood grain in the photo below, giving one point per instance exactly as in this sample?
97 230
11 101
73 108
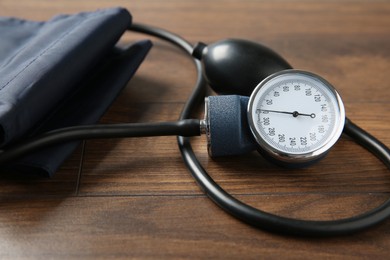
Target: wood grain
172 227
134 198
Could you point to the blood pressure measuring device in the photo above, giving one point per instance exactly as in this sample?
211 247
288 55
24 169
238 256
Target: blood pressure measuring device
291 117
295 116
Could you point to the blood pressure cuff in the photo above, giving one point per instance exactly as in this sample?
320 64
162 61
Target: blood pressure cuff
63 72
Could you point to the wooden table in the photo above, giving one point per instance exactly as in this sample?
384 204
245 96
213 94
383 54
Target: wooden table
135 198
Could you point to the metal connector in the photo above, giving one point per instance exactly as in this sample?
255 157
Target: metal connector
203 127
205 124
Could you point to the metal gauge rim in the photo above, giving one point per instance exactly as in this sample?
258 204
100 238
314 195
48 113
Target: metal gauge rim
298 157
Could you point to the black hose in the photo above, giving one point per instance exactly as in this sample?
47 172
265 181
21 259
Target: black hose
188 127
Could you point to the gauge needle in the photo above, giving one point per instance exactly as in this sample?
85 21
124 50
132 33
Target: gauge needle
294 114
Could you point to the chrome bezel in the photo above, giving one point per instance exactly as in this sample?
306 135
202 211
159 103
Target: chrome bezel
297 157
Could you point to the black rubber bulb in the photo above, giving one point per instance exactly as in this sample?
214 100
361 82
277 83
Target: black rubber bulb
236 66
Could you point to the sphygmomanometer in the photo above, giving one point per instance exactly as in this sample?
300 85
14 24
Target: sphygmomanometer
291 117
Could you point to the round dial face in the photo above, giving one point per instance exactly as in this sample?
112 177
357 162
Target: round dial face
295 115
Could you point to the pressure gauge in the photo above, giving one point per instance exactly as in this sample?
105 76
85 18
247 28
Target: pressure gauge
295 116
